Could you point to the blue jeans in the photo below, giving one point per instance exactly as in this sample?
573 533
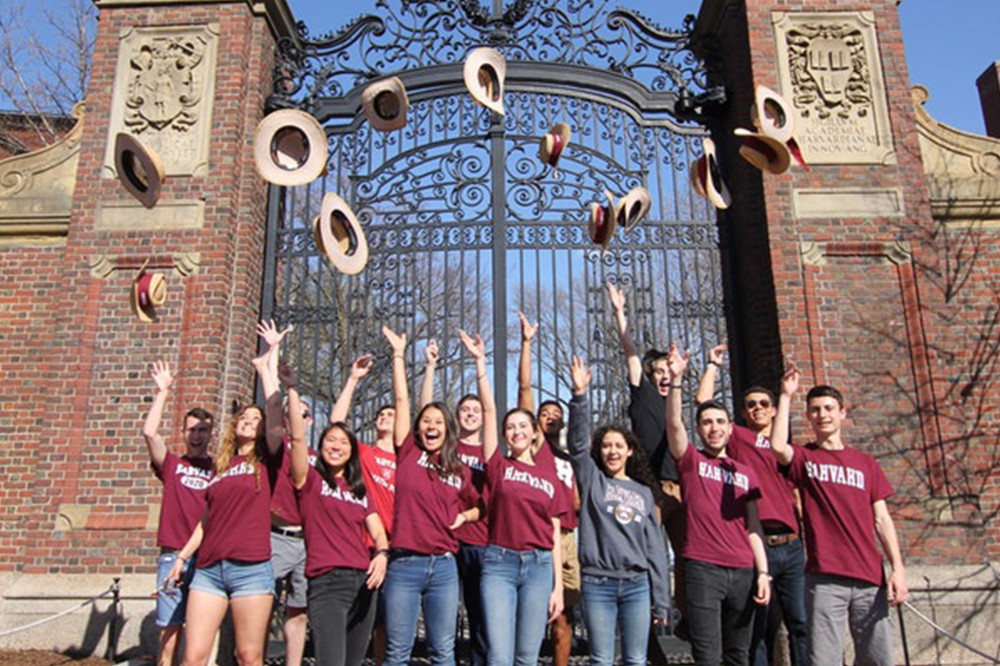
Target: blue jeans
235 578
516 587
171 601
787 566
415 581
608 602
720 611
470 569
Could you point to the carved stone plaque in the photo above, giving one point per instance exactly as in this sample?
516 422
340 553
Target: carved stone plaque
831 72
163 95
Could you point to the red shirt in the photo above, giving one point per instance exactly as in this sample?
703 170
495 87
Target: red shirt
838 489
715 492
185 481
777 502
427 503
238 526
523 500
333 521
550 454
378 469
475 533
283 501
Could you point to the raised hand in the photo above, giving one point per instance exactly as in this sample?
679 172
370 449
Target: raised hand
476 346
160 372
527 330
580 375
717 354
361 366
431 352
396 341
272 336
617 298
790 380
676 363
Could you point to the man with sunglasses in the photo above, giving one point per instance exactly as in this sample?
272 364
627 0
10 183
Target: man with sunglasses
751 445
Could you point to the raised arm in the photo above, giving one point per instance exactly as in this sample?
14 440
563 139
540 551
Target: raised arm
525 396
427 387
402 424
706 389
151 428
299 457
886 531
578 437
677 437
267 367
780 447
633 363
359 370
477 348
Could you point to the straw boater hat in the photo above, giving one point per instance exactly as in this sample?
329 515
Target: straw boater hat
385 104
706 178
139 168
774 116
554 144
632 208
149 290
484 73
764 152
339 236
601 227
289 148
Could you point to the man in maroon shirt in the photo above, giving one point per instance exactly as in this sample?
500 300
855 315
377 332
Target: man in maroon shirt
184 482
786 557
843 499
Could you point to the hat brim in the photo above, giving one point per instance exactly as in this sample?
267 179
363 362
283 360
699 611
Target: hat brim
496 71
371 100
763 152
766 103
340 236
131 156
274 140
146 314
627 215
602 225
554 144
705 172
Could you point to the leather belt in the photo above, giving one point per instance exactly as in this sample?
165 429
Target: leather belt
295 534
780 539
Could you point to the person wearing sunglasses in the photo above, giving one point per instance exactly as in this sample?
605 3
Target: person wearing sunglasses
751 445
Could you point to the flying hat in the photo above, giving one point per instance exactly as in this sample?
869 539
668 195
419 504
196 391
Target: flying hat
602 224
553 144
385 104
139 168
706 178
632 208
764 152
339 235
775 117
289 148
484 73
149 290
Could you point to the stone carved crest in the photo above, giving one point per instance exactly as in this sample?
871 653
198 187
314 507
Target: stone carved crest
163 90
829 69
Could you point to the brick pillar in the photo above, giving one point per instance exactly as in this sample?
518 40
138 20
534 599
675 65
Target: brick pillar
189 79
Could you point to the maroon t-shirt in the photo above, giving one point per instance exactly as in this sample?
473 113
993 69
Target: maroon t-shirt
378 469
715 493
427 503
333 521
238 526
523 500
777 501
560 461
838 489
475 533
185 481
283 502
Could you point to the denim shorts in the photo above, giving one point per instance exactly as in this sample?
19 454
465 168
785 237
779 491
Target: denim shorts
235 578
171 601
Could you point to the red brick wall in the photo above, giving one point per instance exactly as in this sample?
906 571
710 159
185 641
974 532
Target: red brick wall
76 386
901 339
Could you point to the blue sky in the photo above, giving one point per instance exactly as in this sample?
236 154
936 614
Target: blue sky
948 44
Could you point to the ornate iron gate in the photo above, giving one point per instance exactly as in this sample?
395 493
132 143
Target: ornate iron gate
464 223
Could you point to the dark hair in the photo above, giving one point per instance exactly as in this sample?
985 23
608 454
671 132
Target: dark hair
200 414
449 464
636 467
382 409
711 404
546 403
651 356
825 391
758 389
352 469
467 397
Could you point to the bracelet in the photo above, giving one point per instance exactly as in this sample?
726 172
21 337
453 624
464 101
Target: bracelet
716 364
397 356
382 551
181 558
676 386
763 573
478 376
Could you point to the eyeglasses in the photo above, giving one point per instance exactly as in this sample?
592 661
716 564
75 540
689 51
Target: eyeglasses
750 404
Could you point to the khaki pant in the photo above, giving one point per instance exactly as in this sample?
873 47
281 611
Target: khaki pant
570 570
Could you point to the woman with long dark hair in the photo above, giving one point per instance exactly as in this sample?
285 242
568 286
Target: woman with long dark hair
336 514
434 497
623 557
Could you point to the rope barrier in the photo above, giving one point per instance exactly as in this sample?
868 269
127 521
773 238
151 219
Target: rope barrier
44 620
950 635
